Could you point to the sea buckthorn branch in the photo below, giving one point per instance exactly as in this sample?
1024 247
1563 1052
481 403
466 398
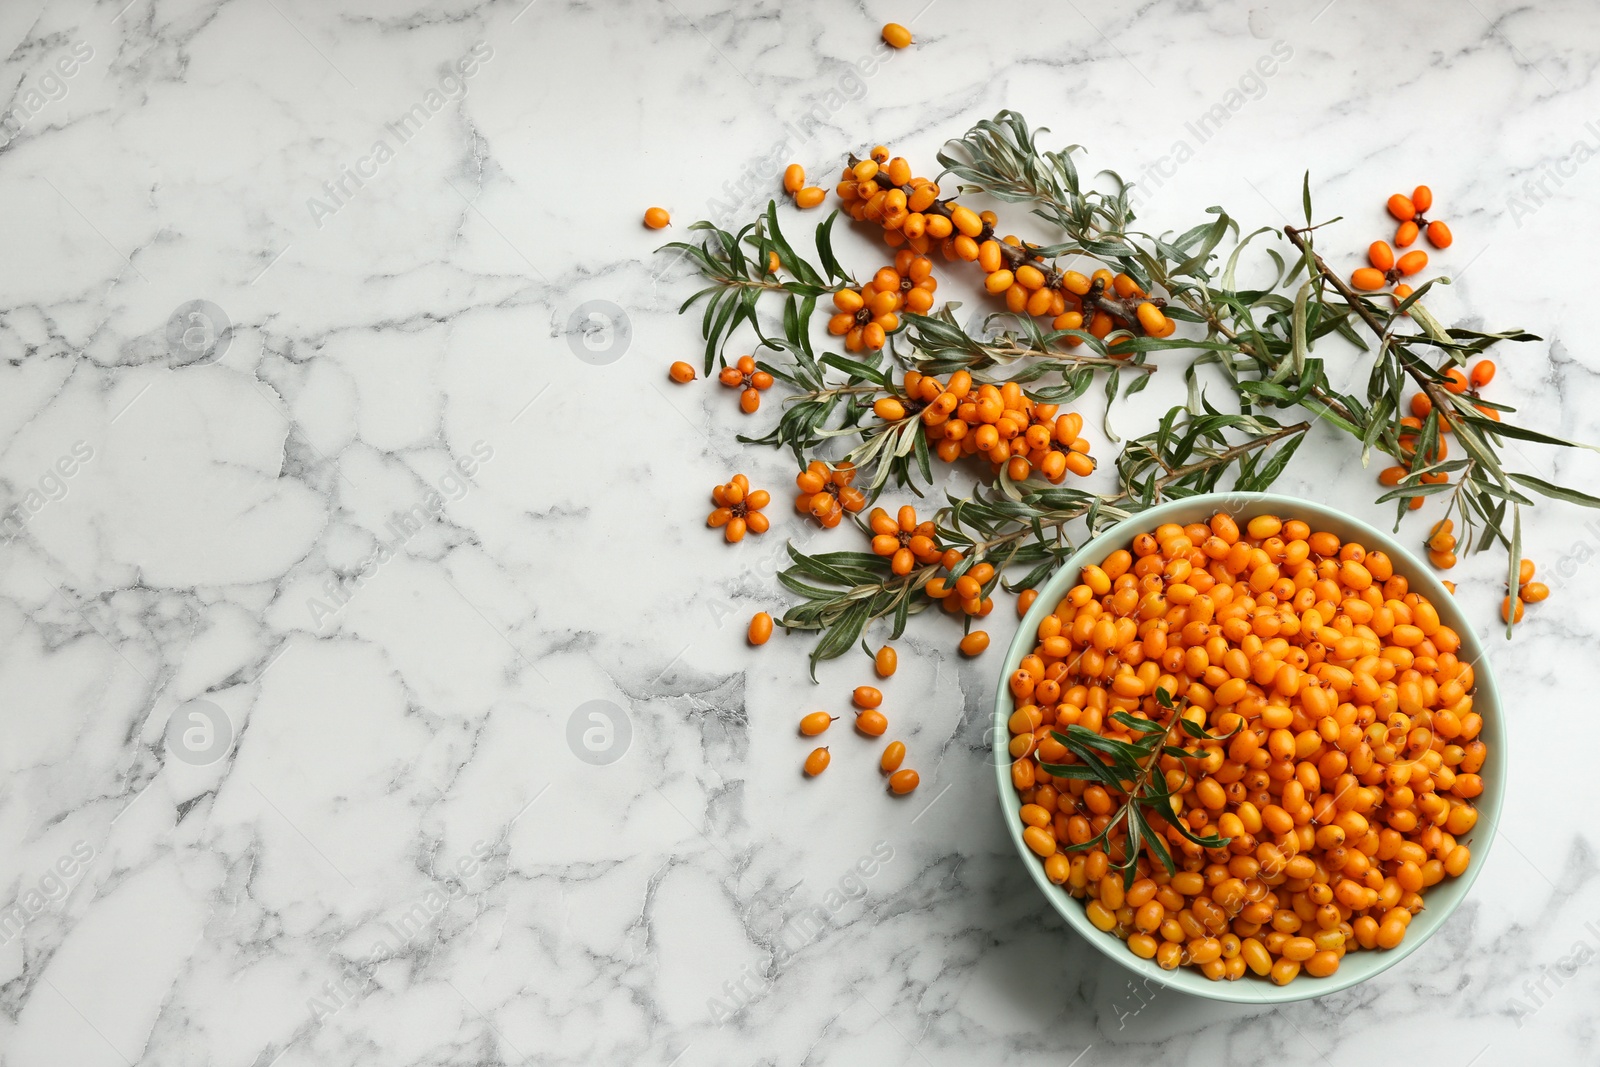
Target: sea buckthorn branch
739 278
1011 527
910 212
1486 488
1268 361
940 346
1129 769
892 447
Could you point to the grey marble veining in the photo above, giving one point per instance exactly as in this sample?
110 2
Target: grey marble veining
373 692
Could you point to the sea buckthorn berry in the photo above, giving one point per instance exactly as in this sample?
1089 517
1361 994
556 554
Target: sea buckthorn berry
681 372
1456 380
1482 373
1525 572
816 723
966 222
894 754
1401 207
866 696
872 722
1368 279
1411 263
817 762
1533 592
794 178
760 628
889 409
657 218
896 35
1381 256
810 197
1439 235
745 376
738 509
1151 318
1510 612
975 643
904 781
1405 235
1422 198
885 661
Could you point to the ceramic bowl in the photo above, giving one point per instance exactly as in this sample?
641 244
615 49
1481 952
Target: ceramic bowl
1442 899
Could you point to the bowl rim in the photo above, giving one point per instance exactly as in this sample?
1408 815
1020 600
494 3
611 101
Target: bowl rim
1250 989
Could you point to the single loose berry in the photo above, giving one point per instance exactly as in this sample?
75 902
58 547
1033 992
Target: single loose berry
815 723
903 782
681 372
657 218
896 35
885 661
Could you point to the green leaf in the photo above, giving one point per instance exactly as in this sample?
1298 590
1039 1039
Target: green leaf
1555 492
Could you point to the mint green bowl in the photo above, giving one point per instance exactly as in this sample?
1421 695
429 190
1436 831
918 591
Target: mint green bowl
1442 899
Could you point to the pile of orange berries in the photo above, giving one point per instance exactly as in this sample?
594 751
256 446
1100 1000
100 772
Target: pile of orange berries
882 189
1385 267
870 722
1441 544
905 541
738 509
964 595
998 422
1528 592
826 493
866 316
794 183
746 377
1347 757
1408 211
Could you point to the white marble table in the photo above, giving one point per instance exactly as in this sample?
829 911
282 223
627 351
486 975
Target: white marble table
411 524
